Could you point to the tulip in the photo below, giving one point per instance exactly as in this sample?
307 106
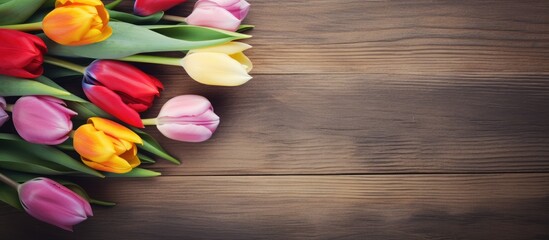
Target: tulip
187 118
222 65
42 119
120 89
223 14
77 22
21 54
3 115
51 202
149 7
107 146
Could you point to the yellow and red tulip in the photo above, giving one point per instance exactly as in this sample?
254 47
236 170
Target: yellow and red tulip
77 22
107 146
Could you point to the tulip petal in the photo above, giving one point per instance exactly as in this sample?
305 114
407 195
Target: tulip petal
112 103
115 164
244 60
185 105
21 54
66 25
77 23
187 133
215 69
215 17
131 157
115 130
227 48
42 120
93 144
148 7
51 202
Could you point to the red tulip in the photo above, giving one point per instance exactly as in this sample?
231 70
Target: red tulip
120 89
21 54
149 7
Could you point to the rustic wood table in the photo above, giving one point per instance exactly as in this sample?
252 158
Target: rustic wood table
364 120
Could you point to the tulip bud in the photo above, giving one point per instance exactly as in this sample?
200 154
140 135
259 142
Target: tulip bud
149 7
223 14
77 22
107 146
3 115
222 65
21 54
120 89
51 202
188 118
42 119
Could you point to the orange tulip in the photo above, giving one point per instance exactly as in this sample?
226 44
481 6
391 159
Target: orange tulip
77 22
107 146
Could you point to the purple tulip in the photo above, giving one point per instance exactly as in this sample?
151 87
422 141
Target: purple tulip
51 202
42 119
188 118
3 115
222 14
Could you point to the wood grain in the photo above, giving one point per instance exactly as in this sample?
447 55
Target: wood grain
491 206
358 36
365 120
370 123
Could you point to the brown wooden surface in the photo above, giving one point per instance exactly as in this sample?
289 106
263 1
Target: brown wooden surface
364 120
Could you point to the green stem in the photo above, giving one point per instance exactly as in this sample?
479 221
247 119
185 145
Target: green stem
113 4
153 59
174 18
65 64
149 121
5 179
9 107
25 26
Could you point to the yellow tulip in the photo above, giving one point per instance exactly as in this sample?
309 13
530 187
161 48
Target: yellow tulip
222 65
107 146
77 22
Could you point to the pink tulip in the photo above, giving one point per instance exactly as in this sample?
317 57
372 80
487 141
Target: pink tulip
42 119
3 115
188 118
51 202
149 7
222 14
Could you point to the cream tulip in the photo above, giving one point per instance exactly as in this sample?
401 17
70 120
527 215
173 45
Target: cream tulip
222 65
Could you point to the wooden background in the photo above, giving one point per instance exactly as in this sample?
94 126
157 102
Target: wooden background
364 120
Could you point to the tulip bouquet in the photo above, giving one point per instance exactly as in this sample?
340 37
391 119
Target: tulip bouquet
96 132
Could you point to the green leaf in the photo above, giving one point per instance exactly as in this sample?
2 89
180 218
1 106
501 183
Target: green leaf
128 39
152 146
9 195
43 158
51 83
17 11
244 28
196 33
86 110
22 87
136 172
135 19
145 159
54 72
113 4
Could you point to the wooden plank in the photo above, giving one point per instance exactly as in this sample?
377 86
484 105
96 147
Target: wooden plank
358 36
369 123
497 206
